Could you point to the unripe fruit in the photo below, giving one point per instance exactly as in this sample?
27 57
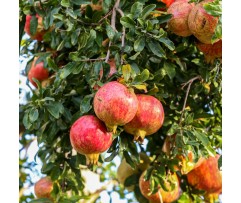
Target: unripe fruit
40 29
38 72
148 119
89 136
210 51
166 196
201 24
178 24
115 104
206 176
124 170
43 188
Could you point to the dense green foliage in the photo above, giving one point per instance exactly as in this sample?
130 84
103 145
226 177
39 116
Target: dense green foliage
149 59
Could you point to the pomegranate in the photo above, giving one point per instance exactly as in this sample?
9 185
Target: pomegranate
43 188
178 24
88 136
161 195
210 51
115 104
167 2
148 119
37 71
124 170
206 176
40 29
201 24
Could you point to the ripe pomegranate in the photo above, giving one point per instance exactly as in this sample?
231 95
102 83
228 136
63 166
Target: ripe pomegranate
40 29
178 24
148 119
167 2
37 71
206 176
115 104
124 170
43 188
89 136
165 196
210 51
201 24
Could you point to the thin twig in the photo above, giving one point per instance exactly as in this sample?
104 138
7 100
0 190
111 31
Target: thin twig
89 60
113 20
189 83
123 35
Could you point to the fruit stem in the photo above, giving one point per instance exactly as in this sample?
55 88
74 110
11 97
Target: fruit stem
111 128
139 136
92 159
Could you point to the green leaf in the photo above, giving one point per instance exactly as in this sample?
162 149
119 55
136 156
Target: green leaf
157 49
214 8
47 167
111 157
220 162
85 104
147 10
170 69
33 115
129 159
79 2
142 77
110 32
68 69
41 200
139 44
136 9
70 12
131 180
126 71
52 64
33 25
55 109
148 173
167 42
127 22
65 3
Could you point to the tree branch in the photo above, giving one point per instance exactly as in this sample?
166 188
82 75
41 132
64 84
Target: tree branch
189 83
123 36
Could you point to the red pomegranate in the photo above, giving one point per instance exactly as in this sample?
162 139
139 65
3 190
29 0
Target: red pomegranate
40 29
148 119
43 188
201 24
115 104
167 2
178 24
89 136
210 51
37 71
206 176
166 196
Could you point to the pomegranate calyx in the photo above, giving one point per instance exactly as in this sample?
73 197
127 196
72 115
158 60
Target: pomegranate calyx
111 128
92 159
140 135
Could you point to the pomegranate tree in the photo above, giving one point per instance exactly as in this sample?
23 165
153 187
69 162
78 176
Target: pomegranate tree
115 104
178 24
43 188
40 29
210 51
161 195
148 119
201 24
206 176
37 71
89 136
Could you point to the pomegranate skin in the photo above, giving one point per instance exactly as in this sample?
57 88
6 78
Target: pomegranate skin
43 188
201 24
40 30
206 176
38 72
89 136
178 24
167 196
148 119
210 51
115 104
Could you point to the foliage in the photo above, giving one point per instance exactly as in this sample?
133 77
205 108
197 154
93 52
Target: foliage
148 58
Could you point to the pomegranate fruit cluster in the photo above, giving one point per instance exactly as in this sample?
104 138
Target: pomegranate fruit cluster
115 105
